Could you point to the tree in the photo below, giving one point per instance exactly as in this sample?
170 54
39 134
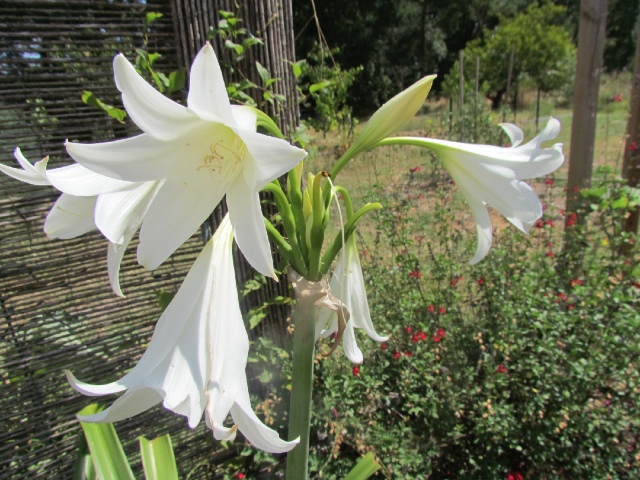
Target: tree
543 52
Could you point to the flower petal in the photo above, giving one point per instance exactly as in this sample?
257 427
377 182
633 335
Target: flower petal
358 304
134 159
31 174
120 213
268 158
515 133
245 117
247 220
70 217
82 182
154 113
251 426
208 96
133 402
178 209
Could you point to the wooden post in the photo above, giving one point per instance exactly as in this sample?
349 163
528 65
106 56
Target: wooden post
461 62
631 158
477 86
591 37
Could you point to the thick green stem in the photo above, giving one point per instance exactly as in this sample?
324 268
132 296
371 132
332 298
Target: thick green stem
301 387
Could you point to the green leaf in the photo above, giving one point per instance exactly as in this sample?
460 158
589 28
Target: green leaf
263 72
319 86
177 80
163 298
296 69
365 467
151 17
107 454
153 57
83 468
90 99
158 458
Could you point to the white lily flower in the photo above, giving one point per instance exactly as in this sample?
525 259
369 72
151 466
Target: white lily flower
197 356
491 175
90 201
347 285
202 152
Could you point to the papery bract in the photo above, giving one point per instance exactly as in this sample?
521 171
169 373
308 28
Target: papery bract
201 152
197 356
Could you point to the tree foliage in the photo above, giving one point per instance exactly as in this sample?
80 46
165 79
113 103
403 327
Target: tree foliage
543 52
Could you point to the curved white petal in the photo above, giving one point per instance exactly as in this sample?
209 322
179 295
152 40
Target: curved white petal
359 304
70 217
93 390
82 182
31 174
251 426
208 97
134 159
350 345
268 158
515 133
154 113
178 209
247 220
132 403
120 213
245 117
115 254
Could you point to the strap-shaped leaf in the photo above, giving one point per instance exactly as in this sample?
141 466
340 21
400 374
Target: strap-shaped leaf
365 467
158 458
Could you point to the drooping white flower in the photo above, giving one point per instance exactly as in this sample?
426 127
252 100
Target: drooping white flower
89 201
201 152
347 286
491 175
197 356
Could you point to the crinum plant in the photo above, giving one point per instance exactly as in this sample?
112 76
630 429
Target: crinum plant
167 180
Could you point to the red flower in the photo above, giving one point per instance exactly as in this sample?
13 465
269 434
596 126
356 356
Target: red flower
408 354
562 297
408 329
431 309
442 311
549 223
383 346
415 338
572 219
240 476
549 254
617 98
396 355
549 181
415 169
501 368
420 197
633 147
480 281
575 281
514 475
539 224
441 333
571 306
454 281
356 370
437 338
422 335
415 274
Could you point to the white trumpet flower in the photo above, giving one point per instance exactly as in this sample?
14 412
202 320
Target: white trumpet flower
491 175
90 201
350 300
200 152
196 360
